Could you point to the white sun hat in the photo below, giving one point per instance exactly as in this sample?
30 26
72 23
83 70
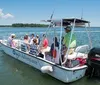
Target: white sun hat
13 35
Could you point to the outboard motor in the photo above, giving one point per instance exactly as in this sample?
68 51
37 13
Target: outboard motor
94 62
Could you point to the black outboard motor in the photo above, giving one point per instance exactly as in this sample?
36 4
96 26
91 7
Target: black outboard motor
94 62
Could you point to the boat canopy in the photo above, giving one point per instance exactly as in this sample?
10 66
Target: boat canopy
65 22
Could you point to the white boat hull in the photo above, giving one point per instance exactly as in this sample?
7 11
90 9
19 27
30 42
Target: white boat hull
59 72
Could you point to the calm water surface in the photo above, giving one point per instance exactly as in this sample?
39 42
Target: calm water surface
14 72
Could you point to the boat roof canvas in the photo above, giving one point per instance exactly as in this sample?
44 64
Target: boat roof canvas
69 21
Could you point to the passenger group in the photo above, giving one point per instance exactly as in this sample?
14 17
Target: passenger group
34 46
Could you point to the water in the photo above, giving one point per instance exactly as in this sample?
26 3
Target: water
14 72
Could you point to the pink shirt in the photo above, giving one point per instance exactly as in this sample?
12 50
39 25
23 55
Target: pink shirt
11 42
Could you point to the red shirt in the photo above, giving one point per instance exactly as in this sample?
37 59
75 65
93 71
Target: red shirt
45 42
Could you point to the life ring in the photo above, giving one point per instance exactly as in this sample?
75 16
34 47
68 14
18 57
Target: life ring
54 53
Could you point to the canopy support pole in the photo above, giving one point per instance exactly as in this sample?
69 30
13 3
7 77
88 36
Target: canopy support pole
60 42
90 42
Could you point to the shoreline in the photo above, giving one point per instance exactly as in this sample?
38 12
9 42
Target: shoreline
25 25
37 27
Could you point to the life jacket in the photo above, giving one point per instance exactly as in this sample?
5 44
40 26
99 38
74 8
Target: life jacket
54 53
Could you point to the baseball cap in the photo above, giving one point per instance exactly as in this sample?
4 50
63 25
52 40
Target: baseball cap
67 28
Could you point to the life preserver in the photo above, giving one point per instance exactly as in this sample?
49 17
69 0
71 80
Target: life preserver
54 53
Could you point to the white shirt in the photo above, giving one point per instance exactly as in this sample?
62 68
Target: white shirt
31 41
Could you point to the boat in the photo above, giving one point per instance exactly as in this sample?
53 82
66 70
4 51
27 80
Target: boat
93 62
59 71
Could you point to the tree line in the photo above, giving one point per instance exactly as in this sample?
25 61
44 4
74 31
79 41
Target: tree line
5 25
24 25
28 25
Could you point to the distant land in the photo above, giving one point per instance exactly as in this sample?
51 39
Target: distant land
34 25
24 25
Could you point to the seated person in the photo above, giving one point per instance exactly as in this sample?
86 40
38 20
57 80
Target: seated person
54 44
38 39
44 45
31 39
26 41
11 41
34 47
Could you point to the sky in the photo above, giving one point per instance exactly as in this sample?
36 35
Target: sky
33 11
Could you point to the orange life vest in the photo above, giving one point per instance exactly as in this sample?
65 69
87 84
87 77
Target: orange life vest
54 53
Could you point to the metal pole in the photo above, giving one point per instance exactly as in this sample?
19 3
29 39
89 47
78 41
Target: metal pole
51 22
60 45
90 43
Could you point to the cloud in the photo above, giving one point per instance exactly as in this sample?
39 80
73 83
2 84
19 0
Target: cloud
5 16
1 13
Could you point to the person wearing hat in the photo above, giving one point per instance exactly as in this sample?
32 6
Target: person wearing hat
66 40
38 39
11 42
32 38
